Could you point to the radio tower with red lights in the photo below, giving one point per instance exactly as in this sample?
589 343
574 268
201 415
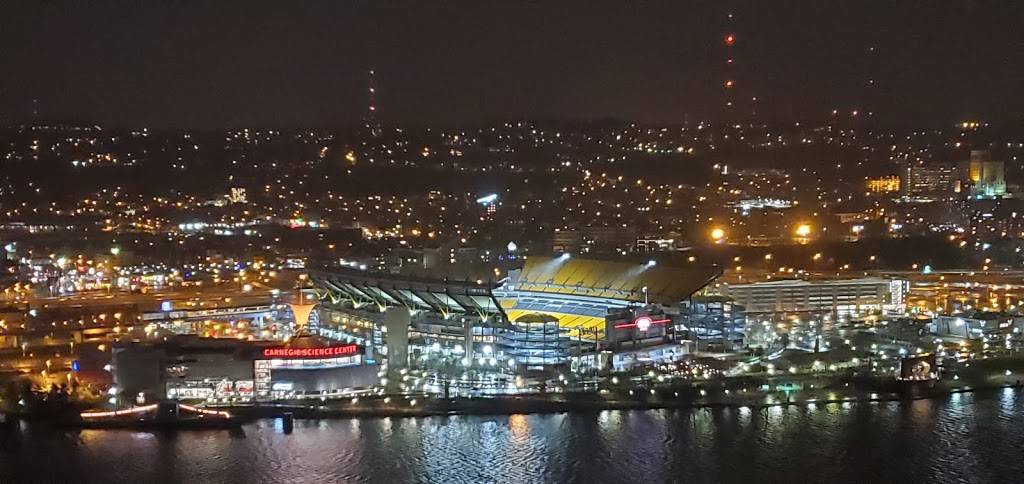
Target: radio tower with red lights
872 93
371 109
734 104
729 82
862 108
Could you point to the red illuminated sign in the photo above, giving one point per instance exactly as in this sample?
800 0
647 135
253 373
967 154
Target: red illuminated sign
643 323
327 352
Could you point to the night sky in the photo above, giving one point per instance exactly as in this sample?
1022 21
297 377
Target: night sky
220 64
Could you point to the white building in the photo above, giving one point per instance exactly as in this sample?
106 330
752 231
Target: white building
842 297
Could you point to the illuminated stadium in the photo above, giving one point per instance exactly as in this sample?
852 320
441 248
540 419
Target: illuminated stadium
580 293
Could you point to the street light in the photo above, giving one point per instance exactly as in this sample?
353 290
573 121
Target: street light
717 235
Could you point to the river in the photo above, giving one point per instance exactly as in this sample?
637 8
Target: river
960 438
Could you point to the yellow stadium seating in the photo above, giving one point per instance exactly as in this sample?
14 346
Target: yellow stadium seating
612 279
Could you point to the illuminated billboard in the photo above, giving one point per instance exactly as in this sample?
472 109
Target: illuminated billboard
324 352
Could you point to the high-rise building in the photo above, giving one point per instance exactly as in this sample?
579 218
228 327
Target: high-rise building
932 179
986 178
566 240
593 239
237 195
884 184
653 244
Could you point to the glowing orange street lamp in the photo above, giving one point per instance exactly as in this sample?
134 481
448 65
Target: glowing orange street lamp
717 235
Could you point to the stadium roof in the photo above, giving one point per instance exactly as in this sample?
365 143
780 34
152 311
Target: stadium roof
441 295
612 279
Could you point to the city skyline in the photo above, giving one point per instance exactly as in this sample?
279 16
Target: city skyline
219 66
658 241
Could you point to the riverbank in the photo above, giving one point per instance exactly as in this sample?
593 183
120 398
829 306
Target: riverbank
728 393
688 398
420 406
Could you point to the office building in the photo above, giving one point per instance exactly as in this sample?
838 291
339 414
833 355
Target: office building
984 177
929 180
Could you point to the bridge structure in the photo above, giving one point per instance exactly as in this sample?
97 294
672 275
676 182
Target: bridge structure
255 312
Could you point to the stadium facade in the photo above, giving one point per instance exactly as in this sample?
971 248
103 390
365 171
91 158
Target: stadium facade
590 310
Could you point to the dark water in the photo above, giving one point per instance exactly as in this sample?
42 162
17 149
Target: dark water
963 438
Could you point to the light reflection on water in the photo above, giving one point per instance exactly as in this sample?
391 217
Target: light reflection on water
965 437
